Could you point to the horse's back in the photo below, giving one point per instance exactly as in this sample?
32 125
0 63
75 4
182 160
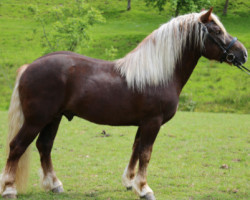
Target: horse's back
70 54
57 65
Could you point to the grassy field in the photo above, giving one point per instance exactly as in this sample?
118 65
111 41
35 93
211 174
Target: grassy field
185 164
190 149
213 87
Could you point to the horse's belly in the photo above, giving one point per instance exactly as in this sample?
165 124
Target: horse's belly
109 116
106 108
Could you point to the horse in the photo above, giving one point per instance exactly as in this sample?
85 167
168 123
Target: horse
141 89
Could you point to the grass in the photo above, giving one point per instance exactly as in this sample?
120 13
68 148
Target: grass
213 87
190 149
185 164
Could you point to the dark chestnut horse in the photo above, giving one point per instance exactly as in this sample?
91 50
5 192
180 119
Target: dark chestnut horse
142 89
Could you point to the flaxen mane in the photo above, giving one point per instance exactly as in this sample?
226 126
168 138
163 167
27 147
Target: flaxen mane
153 61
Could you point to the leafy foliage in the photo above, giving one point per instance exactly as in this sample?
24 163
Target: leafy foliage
156 3
186 103
111 53
68 28
179 6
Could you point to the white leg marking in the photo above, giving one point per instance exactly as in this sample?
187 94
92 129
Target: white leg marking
1 183
127 182
6 190
9 191
50 181
141 191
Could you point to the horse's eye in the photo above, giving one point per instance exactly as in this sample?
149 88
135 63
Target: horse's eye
218 32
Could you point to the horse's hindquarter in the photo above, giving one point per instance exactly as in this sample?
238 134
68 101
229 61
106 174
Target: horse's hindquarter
42 88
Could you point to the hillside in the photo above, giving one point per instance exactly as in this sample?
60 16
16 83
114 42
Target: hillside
213 87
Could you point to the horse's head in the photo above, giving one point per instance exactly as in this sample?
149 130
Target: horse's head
218 44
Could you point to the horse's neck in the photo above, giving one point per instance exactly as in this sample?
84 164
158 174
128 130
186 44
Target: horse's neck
185 68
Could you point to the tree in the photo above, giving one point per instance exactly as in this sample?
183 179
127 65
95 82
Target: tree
225 8
129 5
179 6
156 4
67 25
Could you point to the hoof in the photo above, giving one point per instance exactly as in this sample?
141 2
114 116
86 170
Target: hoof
129 188
149 196
58 189
9 193
9 196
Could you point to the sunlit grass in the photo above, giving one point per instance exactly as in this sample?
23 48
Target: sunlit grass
185 164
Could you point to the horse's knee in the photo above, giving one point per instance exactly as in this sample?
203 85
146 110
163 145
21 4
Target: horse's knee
145 154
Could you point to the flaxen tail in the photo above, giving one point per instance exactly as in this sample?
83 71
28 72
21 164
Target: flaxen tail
16 120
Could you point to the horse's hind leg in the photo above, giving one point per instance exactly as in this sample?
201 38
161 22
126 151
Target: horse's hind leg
44 145
17 147
130 170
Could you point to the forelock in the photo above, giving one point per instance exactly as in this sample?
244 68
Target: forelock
217 21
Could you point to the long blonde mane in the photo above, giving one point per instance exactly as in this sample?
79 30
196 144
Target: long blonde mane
154 60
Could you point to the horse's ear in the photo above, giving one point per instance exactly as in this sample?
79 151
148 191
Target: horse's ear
206 17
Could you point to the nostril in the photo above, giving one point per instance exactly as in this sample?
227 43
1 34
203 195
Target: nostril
245 54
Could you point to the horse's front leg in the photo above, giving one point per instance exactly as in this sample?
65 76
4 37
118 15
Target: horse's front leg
148 132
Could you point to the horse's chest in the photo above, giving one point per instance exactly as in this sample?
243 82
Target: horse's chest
169 108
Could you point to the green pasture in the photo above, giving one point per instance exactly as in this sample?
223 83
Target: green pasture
213 87
190 151
186 164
